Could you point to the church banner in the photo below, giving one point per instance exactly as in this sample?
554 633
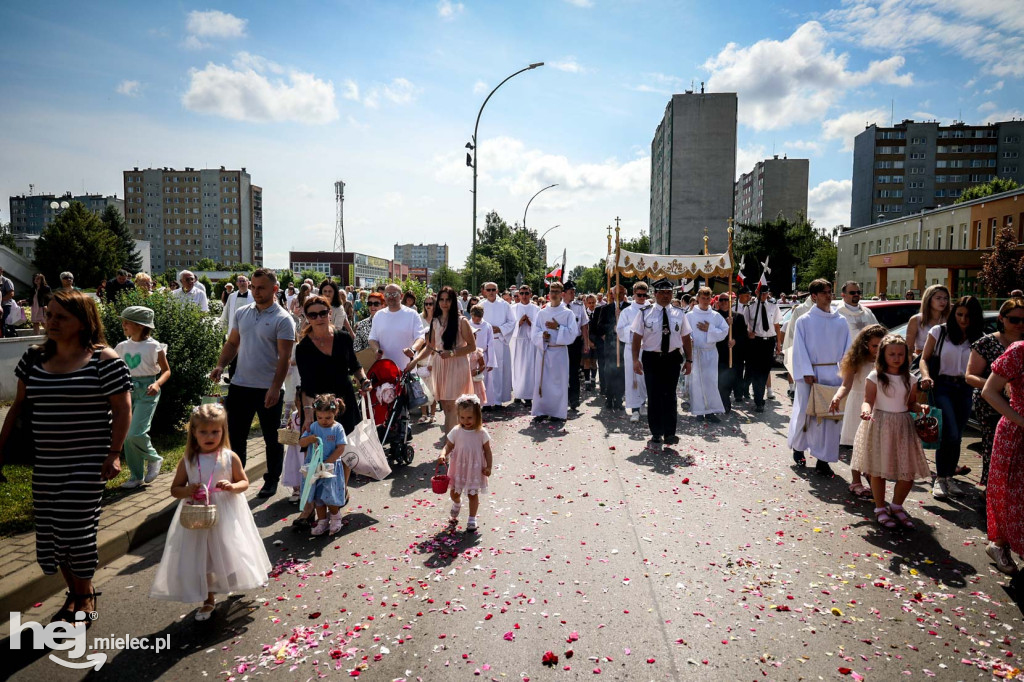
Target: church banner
656 266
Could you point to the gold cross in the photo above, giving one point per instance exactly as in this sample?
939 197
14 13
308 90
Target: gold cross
616 222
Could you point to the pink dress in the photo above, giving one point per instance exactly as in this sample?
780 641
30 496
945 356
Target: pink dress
451 375
467 460
1005 493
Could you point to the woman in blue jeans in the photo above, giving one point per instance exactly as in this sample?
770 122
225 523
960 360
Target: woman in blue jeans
947 350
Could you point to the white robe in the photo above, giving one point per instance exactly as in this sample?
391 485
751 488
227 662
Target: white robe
820 340
524 353
636 388
482 335
787 343
704 395
551 398
857 319
499 380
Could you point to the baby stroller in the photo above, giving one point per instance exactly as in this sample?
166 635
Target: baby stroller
389 398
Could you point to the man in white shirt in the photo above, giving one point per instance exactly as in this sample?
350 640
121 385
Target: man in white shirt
396 329
463 301
763 325
524 353
662 332
636 388
554 329
191 292
498 314
857 316
708 328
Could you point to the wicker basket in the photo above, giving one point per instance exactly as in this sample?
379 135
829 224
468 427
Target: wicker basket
199 516
287 437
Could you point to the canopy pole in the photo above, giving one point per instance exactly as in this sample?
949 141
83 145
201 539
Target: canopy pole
730 291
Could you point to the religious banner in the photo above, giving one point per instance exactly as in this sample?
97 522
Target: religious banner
656 266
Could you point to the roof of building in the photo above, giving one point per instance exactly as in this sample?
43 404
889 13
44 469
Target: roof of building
935 211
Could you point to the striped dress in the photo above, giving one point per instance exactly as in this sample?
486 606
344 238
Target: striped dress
71 425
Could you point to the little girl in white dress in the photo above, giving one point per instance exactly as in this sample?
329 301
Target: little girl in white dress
230 556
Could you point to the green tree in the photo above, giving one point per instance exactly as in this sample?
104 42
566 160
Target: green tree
1001 267
418 288
7 237
128 256
247 268
821 265
446 276
285 277
987 189
206 264
514 249
783 243
314 275
591 280
488 270
78 241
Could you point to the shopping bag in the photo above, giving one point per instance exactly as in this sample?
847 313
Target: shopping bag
16 316
364 453
417 393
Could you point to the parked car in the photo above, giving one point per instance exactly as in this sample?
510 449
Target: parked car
888 313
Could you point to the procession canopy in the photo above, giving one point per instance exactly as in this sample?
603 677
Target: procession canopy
656 266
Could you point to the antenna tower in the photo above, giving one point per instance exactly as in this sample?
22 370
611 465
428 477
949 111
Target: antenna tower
339 225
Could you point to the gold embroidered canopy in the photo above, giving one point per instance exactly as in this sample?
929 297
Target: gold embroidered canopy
656 266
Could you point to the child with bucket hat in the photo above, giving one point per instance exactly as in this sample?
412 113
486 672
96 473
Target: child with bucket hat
147 359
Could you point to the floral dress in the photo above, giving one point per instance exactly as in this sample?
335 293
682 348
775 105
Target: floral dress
989 348
362 340
1005 492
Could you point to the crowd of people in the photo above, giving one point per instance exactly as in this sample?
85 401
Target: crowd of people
296 360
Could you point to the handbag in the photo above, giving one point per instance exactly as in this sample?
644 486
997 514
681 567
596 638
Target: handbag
16 316
935 361
818 400
417 393
364 453
195 516
929 427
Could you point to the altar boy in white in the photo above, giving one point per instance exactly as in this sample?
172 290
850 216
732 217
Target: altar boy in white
498 314
554 329
820 340
709 327
636 388
524 353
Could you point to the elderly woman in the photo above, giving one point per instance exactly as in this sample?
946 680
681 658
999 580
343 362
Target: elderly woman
374 302
144 283
67 281
72 372
295 305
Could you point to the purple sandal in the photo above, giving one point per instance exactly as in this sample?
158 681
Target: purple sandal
904 518
884 518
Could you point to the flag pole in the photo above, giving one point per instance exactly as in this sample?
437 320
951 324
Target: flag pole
730 292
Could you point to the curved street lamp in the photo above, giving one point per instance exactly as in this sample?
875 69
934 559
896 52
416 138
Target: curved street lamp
472 145
531 201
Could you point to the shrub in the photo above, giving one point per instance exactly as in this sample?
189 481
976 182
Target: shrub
193 341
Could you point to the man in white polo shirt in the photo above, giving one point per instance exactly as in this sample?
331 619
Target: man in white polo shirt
396 329
192 291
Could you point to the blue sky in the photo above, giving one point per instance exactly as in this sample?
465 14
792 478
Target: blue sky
384 95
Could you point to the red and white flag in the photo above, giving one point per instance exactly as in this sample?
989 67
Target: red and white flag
765 271
739 275
558 274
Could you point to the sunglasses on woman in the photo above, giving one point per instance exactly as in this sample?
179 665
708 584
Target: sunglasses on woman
313 314
1014 319
374 304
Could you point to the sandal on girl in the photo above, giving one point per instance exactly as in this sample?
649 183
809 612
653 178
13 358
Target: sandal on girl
902 517
860 490
206 610
884 518
425 419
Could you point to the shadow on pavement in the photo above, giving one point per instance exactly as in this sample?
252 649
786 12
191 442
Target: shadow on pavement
664 461
445 546
303 543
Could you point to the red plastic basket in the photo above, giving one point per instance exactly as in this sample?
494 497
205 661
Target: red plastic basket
440 482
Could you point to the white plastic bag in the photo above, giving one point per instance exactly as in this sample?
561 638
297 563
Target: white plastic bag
364 454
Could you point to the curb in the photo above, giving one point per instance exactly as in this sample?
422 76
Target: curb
21 589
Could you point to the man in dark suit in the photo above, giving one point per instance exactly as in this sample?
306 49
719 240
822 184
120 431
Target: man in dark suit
602 333
727 376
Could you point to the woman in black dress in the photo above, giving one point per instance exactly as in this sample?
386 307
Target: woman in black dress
77 393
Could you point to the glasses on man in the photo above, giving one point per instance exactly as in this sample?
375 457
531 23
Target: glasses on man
854 293
490 289
392 295
314 314
640 294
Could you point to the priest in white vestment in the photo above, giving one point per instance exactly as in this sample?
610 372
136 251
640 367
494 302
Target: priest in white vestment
524 353
636 387
857 316
554 329
498 314
708 328
820 339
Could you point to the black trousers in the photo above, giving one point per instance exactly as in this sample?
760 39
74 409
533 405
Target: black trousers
613 381
599 359
760 355
727 382
740 373
242 404
575 359
661 374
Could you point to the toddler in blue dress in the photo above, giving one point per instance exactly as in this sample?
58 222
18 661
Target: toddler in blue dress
329 494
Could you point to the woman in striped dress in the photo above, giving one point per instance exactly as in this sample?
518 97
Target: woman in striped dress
77 393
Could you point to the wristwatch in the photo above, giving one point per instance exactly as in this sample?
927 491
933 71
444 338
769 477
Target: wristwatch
688 360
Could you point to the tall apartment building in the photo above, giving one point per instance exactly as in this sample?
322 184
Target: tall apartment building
693 169
775 186
191 214
914 166
429 256
31 213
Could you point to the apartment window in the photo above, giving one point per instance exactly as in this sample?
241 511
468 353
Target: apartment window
883 179
940 193
1009 169
917 140
906 241
888 244
963 235
914 200
940 178
917 155
856 249
916 184
1011 139
897 179
1010 155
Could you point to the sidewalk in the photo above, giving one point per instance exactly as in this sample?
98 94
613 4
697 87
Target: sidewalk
125 524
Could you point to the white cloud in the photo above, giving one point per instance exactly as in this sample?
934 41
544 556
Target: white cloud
804 145
746 157
129 88
246 94
993 112
847 126
479 87
828 204
586 4
660 83
568 64
446 9
796 80
399 91
988 33
997 86
925 116
351 90
193 43
215 24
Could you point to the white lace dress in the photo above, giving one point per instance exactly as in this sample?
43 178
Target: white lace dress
230 557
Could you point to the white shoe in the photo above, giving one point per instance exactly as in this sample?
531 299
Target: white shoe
635 417
334 525
131 483
295 496
1002 558
205 611
940 490
152 471
953 489
769 393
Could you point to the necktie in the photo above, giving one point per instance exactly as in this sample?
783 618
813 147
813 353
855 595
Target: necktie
664 330
764 314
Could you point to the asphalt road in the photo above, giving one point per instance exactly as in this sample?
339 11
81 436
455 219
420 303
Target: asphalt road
715 559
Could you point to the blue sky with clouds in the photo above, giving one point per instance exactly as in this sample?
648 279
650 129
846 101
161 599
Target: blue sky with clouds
384 95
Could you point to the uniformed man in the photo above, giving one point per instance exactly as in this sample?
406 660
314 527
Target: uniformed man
577 347
763 327
663 333
741 371
610 366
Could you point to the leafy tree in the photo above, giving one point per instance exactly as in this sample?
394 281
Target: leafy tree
1001 268
205 281
446 276
206 264
987 189
591 280
488 270
314 275
418 288
7 238
821 264
784 243
128 256
285 277
242 267
515 251
218 288
78 241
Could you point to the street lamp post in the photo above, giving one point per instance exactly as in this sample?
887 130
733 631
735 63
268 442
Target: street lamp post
472 146
523 229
